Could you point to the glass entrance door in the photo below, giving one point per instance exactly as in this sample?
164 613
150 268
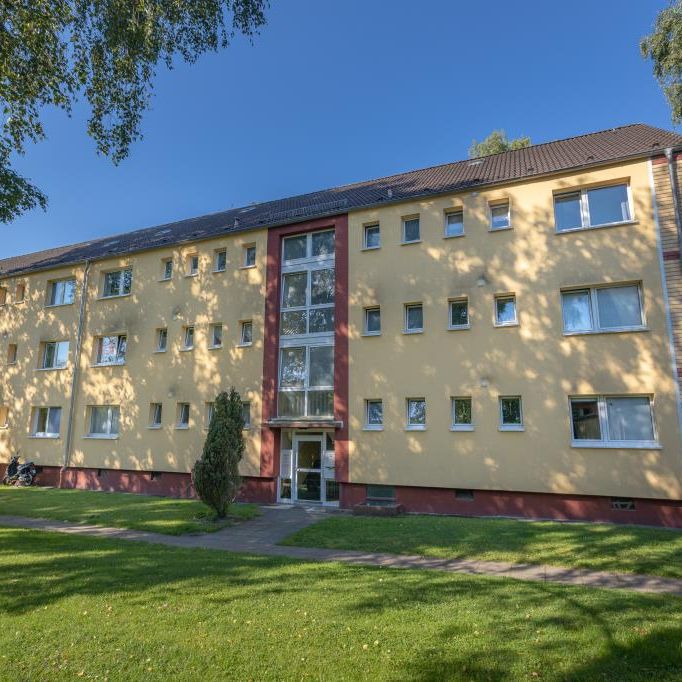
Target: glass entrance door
308 479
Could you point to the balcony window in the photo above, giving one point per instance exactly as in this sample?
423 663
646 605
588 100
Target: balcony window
594 207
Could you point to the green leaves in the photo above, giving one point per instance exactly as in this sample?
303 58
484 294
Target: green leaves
664 48
496 143
53 51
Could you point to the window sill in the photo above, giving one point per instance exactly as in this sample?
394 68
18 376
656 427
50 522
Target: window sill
219 272
108 364
57 305
414 241
413 331
103 436
501 229
244 345
247 267
50 369
165 279
157 352
459 328
415 428
109 298
621 330
368 427
370 248
47 436
191 274
462 427
215 348
371 333
186 350
596 227
454 236
179 427
616 445
154 427
504 325
511 427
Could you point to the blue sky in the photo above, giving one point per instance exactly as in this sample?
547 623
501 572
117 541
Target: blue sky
335 92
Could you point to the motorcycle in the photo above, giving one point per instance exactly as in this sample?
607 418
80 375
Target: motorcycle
19 474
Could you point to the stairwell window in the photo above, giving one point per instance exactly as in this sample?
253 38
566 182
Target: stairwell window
111 350
61 292
500 216
55 355
374 415
411 230
612 422
511 413
602 309
117 283
372 323
594 207
454 224
188 338
372 238
414 318
155 415
104 421
416 414
182 421
46 422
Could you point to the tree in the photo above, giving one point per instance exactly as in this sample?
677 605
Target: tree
496 143
664 48
216 475
54 51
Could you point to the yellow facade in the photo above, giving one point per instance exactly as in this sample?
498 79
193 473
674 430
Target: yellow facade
534 360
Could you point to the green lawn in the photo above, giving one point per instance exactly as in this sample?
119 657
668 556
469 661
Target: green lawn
118 510
86 608
595 546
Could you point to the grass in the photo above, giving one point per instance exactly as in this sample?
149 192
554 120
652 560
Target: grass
605 547
87 608
119 510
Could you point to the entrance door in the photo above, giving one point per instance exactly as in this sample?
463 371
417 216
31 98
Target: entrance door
308 478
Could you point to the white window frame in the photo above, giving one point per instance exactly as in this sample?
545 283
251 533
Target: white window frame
248 250
98 350
246 407
455 327
209 409
308 268
190 269
294 264
594 309
515 321
511 427
216 259
51 292
497 204
373 427
454 426
365 327
409 426
121 290
161 331
109 434
179 413
453 212
212 330
404 221
416 330
36 418
56 344
365 229
605 442
165 262
155 408
585 208
187 331
242 328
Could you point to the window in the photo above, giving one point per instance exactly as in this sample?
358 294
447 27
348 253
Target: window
155 414
372 238
210 410
411 232
416 414
246 414
104 421
182 416
161 340
306 381
55 355
459 314
4 416
220 260
505 310
166 269
216 335
499 216
19 293
192 265
61 292
117 283
12 354
308 302
372 321
414 318
380 494
612 421
461 414
246 333
374 415
46 422
592 208
454 224
3 295
464 494
187 338
314 245
250 256
511 414
609 308
111 350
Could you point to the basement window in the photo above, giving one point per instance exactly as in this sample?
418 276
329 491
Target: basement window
464 495
622 504
378 495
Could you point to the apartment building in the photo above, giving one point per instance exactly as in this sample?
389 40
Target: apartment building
492 336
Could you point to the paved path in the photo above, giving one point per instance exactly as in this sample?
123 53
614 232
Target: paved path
276 522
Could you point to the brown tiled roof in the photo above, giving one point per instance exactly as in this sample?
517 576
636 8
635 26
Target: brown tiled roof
631 141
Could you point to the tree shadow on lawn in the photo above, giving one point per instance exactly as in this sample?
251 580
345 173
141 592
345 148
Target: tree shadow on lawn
576 634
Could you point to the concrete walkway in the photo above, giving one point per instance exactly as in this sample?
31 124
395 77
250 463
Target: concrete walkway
261 535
